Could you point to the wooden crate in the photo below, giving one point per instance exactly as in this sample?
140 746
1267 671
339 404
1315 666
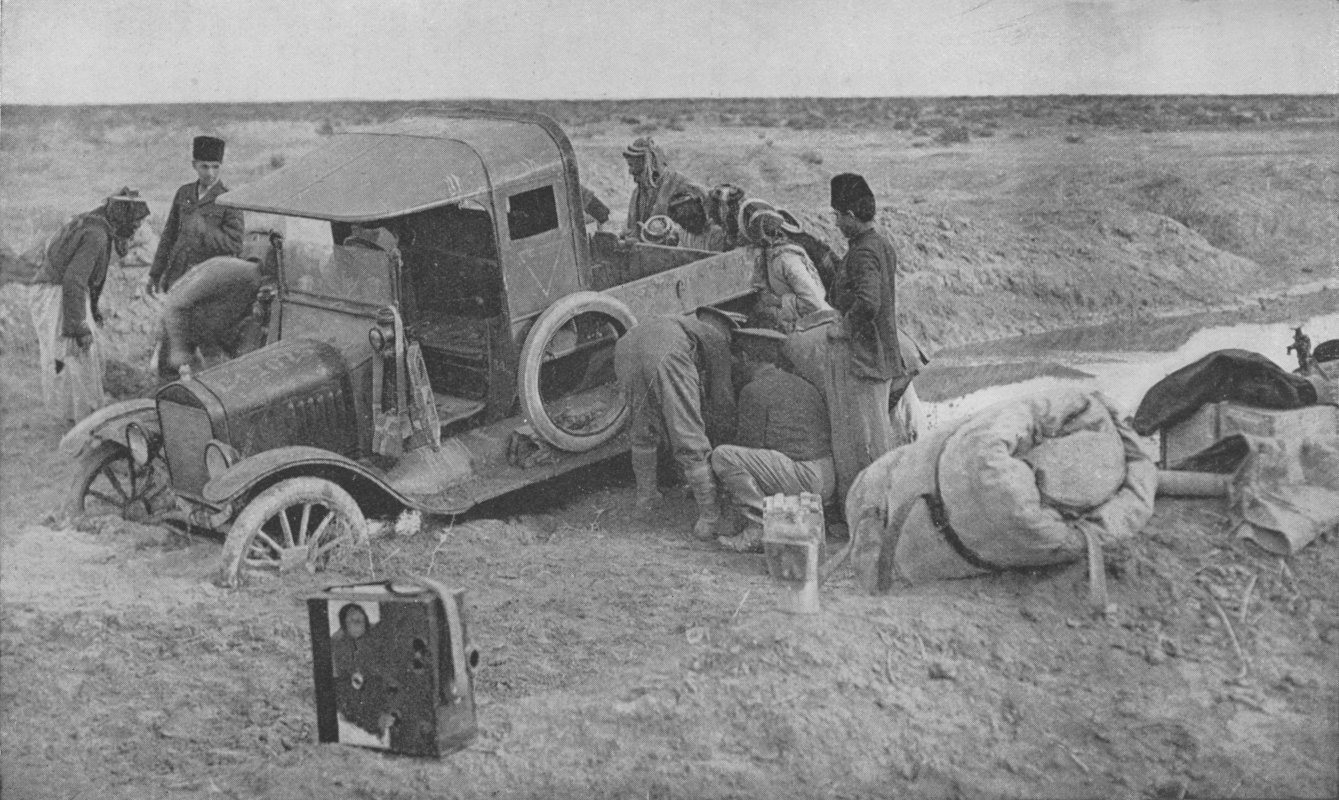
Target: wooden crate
1216 421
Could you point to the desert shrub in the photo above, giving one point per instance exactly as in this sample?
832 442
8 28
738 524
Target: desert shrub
810 121
630 120
325 128
983 133
920 132
675 125
277 160
1073 138
954 134
1106 116
645 127
811 157
902 125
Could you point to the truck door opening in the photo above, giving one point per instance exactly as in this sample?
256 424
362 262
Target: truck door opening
454 303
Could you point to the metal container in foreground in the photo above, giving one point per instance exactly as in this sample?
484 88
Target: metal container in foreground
393 666
793 536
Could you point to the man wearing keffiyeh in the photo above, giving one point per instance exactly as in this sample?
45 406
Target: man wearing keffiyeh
64 302
655 183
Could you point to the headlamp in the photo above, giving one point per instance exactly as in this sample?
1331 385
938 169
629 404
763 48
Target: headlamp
137 442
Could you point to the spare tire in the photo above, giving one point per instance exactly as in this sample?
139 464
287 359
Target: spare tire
565 377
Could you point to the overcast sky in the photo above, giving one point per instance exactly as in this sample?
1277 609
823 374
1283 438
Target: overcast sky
138 51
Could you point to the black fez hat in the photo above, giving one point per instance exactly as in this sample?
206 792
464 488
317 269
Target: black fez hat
847 189
207 148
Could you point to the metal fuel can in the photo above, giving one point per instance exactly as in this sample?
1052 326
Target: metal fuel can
793 540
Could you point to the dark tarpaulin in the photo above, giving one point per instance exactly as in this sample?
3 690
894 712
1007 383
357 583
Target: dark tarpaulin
1239 376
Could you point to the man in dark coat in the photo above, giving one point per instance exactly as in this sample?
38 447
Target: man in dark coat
675 375
864 291
857 361
214 308
197 228
64 302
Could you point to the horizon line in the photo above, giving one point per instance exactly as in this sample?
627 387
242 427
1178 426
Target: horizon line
681 98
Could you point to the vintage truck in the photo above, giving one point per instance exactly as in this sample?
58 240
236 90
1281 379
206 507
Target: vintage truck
489 290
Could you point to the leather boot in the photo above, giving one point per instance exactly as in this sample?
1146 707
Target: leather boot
703 485
645 468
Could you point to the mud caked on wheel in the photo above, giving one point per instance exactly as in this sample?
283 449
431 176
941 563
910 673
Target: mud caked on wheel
108 481
566 380
298 522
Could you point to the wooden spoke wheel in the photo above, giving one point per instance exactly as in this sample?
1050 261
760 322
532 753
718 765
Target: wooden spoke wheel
298 522
109 482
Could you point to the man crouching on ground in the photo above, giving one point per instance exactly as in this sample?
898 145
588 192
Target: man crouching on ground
783 442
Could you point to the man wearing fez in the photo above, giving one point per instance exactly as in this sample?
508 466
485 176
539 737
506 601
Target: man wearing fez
197 228
64 302
858 360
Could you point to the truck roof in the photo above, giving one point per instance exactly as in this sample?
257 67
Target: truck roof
425 160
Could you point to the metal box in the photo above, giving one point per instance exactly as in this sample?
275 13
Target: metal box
793 538
393 666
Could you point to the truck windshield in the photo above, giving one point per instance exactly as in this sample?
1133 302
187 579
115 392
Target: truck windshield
315 265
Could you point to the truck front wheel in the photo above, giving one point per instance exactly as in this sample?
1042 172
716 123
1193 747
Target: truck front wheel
110 482
296 522
566 379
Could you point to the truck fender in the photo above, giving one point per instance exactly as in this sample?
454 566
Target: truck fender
242 477
108 424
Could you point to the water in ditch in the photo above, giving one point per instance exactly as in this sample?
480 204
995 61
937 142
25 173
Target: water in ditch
961 384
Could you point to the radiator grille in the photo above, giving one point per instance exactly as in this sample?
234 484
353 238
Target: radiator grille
186 430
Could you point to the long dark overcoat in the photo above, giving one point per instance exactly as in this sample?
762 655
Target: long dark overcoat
196 229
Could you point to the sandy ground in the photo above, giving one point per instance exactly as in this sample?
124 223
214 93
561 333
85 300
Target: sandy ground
621 659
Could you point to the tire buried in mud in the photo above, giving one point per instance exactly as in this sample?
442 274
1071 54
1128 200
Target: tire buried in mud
566 376
108 481
295 521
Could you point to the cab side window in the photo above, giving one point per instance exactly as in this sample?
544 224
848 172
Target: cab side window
532 212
